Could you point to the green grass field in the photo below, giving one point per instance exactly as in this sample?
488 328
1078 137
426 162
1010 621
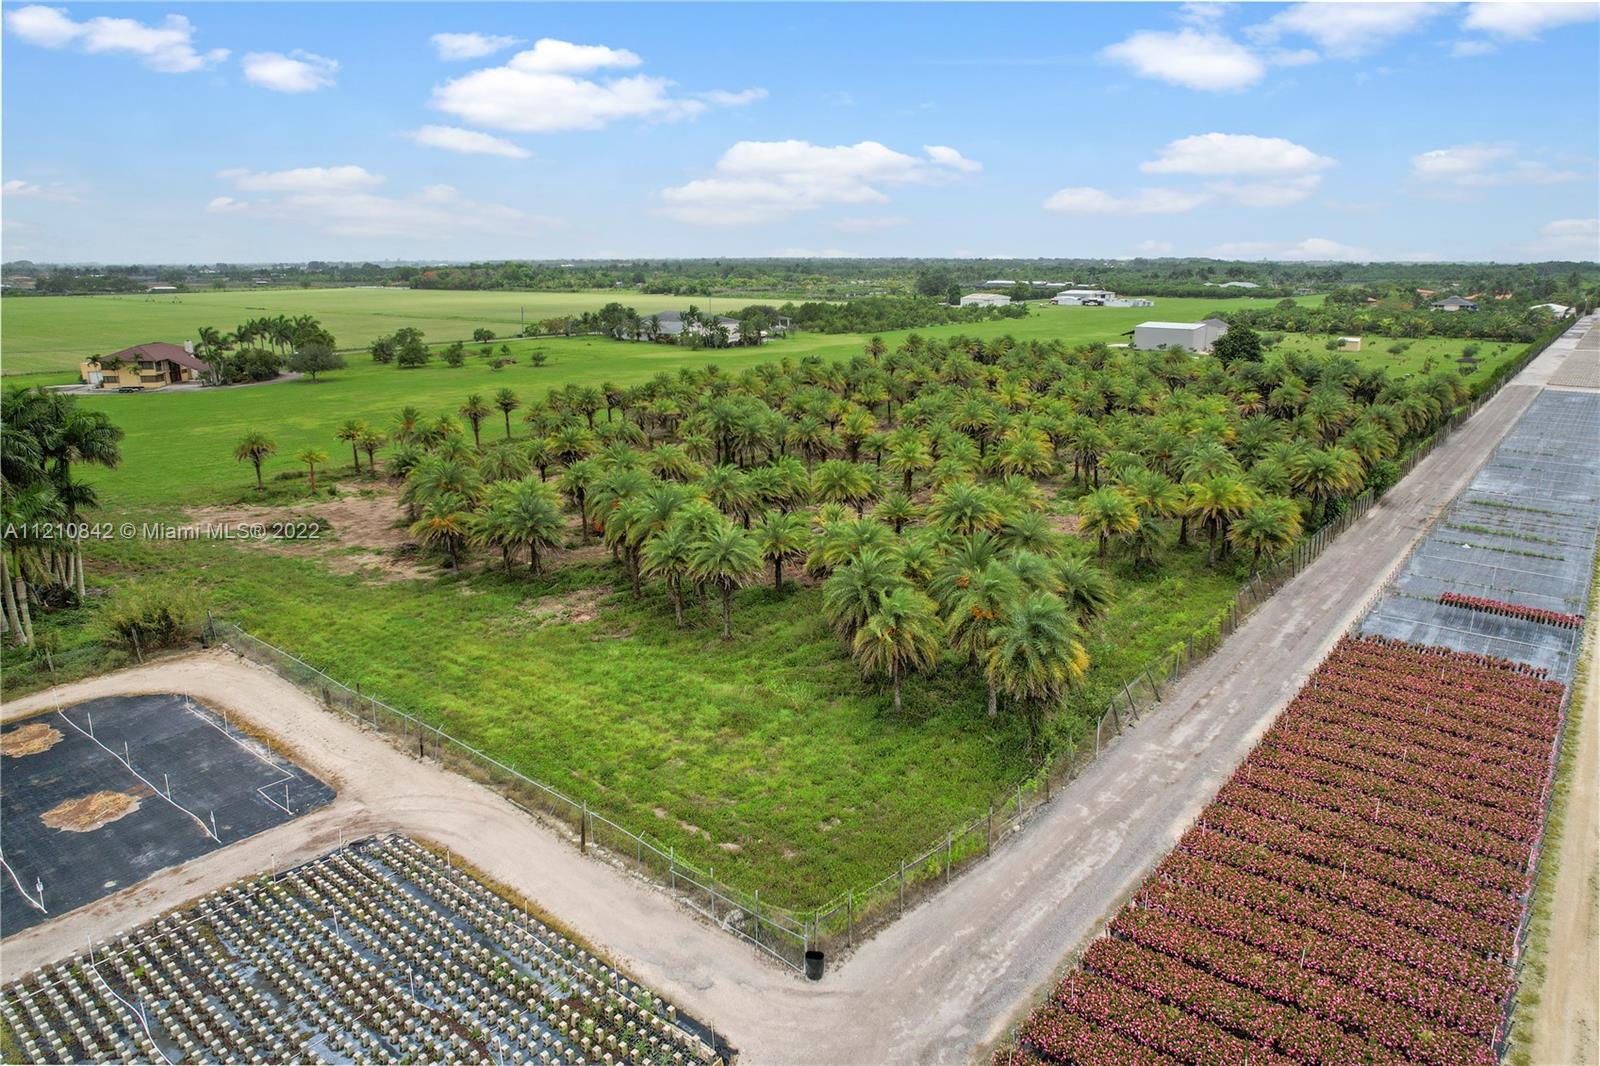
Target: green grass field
1420 355
54 333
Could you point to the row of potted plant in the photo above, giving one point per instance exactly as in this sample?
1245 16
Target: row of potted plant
1513 610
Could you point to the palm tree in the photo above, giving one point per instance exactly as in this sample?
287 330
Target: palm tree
474 410
311 457
988 595
370 441
506 400
351 430
668 553
1084 586
445 525
966 509
901 635
256 447
1035 656
1216 501
853 591
1107 513
839 481
725 557
897 509
908 455
1325 474
782 538
1266 527
522 512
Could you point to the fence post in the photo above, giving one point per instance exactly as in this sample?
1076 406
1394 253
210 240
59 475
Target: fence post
672 868
902 888
713 893
758 916
583 827
949 844
1019 803
989 833
849 917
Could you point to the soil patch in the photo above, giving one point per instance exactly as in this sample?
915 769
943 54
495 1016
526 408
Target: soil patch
29 739
88 813
1064 523
369 520
567 608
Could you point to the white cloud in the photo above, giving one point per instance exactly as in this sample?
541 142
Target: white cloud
168 48
949 157
540 90
1194 59
1347 31
297 72
1237 154
762 181
338 201
1277 193
1521 22
470 45
472 142
345 178
19 189
1567 238
1479 166
724 98
1201 13
1310 248
1084 200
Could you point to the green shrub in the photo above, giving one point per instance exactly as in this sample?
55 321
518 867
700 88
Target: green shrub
145 617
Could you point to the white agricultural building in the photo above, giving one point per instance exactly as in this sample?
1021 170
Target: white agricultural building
1195 336
984 299
1080 297
1559 310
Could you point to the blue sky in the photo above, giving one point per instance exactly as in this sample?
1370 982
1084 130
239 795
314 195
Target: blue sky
267 132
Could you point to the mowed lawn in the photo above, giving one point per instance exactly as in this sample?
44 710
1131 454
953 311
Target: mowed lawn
1421 355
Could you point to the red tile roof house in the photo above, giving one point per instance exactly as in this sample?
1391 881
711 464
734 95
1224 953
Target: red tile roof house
145 366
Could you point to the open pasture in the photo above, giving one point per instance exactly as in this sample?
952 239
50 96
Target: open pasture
101 795
378 952
54 333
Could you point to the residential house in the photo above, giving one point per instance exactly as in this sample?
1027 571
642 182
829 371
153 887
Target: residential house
1454 303
144 367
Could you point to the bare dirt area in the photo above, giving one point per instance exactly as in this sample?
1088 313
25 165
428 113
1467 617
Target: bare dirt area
88 813
1567 1020
30 739
369 520
567 608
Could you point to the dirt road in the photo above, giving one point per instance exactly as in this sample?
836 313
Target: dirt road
941 982
1568 1016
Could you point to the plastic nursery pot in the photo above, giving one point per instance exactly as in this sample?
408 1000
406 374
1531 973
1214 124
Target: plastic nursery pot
815 960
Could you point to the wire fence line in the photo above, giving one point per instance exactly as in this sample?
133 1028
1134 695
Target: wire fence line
786 934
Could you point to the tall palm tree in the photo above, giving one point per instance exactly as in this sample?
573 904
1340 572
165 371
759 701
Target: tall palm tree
724 557
1325 474
370 441
966 509
840 481
900 636
1036 655
983 603
256 447
507 401
351 430
782 538
1084 586
474 410
311 457
1107 513
668 553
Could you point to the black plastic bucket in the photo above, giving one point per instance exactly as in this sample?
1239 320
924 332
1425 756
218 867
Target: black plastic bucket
814 963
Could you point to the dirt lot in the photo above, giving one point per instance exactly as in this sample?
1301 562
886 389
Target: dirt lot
369 521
